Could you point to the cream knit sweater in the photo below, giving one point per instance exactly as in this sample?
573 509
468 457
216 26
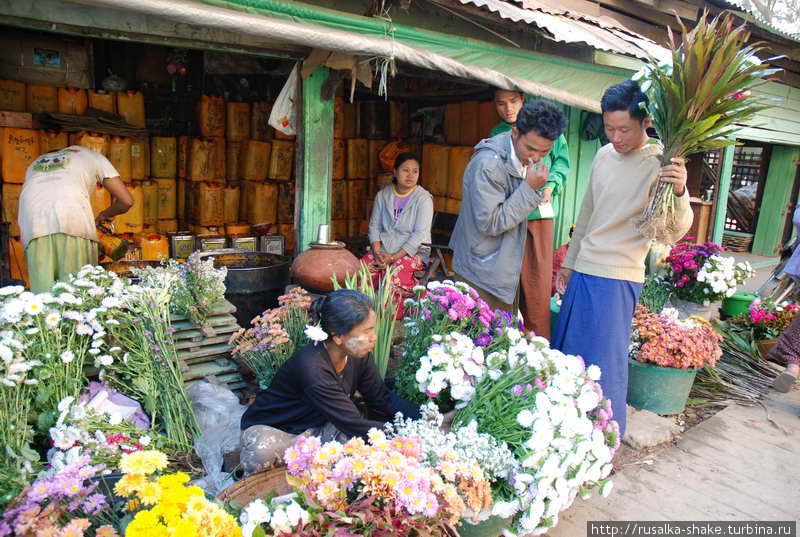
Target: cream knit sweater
605 241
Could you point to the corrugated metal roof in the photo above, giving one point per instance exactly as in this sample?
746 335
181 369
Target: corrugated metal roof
573 27
787 32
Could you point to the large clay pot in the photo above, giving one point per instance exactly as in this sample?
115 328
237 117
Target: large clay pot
314 268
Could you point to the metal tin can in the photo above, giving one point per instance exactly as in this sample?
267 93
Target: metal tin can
211 242
272 243
181 244
244 243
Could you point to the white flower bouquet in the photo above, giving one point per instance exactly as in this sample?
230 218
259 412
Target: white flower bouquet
197 287
550 411
100 431
449 329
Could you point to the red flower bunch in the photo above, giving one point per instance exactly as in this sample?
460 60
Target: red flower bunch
769 319
665 340
686 259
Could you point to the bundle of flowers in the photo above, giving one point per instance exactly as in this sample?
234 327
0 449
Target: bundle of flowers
88 428
702 276
273 336
453 322
64 503
196 289
767 318
665 340
455 363
697 101
548 408
148 369
462 447
164 504
381 485
283 515
45 340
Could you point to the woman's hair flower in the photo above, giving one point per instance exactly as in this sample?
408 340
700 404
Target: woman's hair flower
315 333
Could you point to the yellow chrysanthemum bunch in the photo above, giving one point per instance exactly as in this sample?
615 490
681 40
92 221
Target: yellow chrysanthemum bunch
175 510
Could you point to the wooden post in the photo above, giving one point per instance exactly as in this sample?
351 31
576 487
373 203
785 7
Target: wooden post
721 204
315 144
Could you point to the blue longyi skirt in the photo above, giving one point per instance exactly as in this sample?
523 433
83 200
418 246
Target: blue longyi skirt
595 323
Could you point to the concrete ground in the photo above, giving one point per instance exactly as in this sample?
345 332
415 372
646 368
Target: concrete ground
742 464
763 267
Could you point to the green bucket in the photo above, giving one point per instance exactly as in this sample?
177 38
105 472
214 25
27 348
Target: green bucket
738 303
663 390
491 527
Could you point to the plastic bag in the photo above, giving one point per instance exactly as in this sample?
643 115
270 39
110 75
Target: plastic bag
283 116
218 415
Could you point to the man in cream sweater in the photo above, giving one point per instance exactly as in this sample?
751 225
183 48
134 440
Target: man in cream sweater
603 272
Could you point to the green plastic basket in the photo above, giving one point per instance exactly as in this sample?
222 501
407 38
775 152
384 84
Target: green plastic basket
663 390
738 303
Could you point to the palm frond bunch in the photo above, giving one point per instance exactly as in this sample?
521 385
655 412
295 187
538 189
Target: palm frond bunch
697 103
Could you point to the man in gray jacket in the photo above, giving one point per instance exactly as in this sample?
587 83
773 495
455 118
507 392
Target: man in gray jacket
499 192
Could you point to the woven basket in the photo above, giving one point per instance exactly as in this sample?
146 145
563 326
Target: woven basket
257 486
735 241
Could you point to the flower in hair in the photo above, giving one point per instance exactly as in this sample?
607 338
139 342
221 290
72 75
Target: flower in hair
315 333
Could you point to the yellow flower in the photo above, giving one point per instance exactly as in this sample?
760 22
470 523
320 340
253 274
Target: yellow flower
194 490
130 484
183 528
143 462
196 504
150 494
173 480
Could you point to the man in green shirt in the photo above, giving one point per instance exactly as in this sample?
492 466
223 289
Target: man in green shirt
537 259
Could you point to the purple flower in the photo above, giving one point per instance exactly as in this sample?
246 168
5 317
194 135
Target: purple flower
540 384
517 390
5 529
528 388
483 340
94 504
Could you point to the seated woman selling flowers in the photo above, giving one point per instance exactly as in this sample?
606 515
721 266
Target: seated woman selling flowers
399 225
312 392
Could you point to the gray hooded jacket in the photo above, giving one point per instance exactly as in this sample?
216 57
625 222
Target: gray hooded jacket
489 235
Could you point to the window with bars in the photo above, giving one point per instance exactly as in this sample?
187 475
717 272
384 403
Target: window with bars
749 169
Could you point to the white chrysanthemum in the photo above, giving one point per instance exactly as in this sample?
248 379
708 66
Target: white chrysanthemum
67 356
593 372
525 418
11 290
315 333
83 330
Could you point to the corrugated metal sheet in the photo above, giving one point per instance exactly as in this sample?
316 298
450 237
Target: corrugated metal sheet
571 27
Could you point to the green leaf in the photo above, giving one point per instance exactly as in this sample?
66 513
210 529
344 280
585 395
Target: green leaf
28 453
45 420
43 394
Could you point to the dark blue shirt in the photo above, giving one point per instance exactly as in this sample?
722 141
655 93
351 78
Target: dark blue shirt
307 392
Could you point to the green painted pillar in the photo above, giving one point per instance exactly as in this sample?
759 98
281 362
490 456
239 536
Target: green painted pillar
776 200
722 193
566 201
315 144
